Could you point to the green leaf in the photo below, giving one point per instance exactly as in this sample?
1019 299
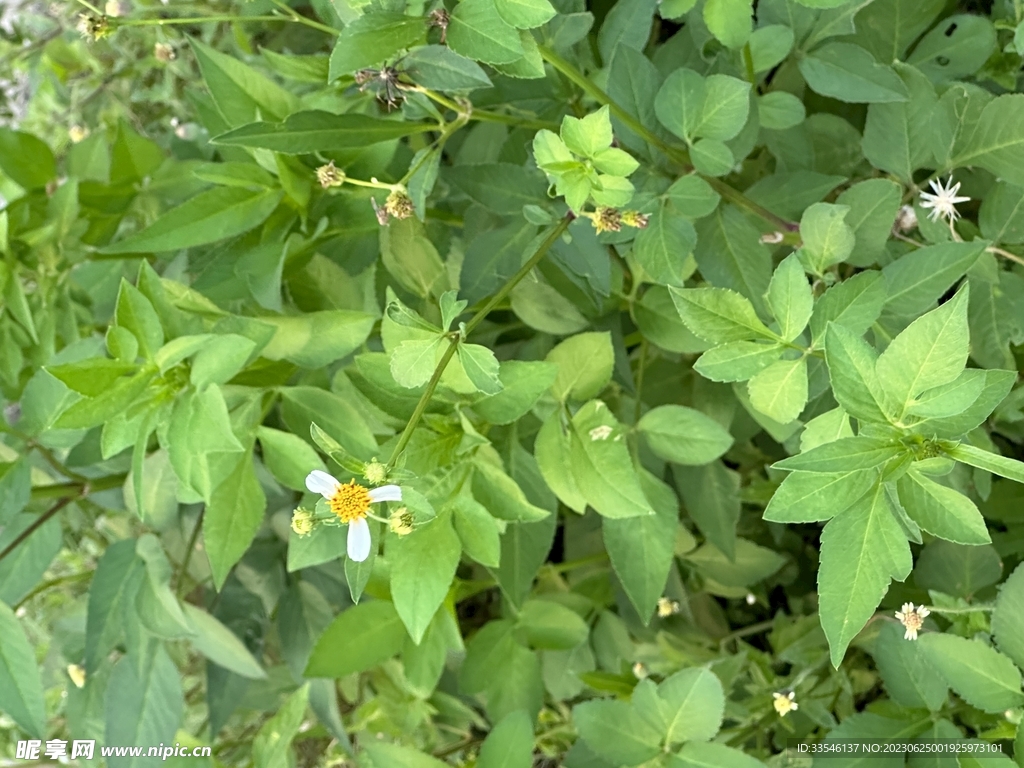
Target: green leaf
827 238
523 383
918 279
790 298
481 366
93 411
272 744
780 390
950 399
996 145
851 368
957 569
142 706
807 497
730 21
25 566
862 549
551 450
614 731
693 197
25 159
373 38
1008 617
601 464
736 360
941 511
317 131
719 314
712 497
509 744
956 47
897 135
15 488
694 704
220 645
641 548
359 638
240 93
422 568
854 303
233 516
502 496
779 110
769 45
413 361
982 676
477 31
216 214
21 690
663 248
438 67
730 255
478 531
874 204
288 457
525 14
585 363
849 73
386 755
692 107
752 563
990 462
931 351
711 755
911 680
112 588
845 455
551 626
317 339
683 435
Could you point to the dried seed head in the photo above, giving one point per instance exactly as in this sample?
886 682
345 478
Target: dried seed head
329 176
399 204
164 53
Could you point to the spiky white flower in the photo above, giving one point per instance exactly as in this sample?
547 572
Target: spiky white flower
943 201
350 502
912 618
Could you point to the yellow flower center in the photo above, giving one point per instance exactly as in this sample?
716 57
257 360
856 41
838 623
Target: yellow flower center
350 502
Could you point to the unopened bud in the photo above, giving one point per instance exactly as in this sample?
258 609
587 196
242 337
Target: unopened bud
401 521
375 472
302 522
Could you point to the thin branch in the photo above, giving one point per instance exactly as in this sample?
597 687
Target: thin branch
38 523
478 318
183 570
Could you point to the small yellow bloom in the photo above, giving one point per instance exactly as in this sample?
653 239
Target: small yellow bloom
784 703
640 671
350 502
92 27
77 675
399 204
401 521
329 176
606 219
912 618
302 522
77 133
635 219
667 607
375 472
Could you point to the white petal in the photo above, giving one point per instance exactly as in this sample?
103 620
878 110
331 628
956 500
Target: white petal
386 493
320 482
358 540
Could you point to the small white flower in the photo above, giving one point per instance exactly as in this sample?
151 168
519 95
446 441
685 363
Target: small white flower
751 599
944 200
640 671
912 618
906 219
667 607
784 703
600 433
350 502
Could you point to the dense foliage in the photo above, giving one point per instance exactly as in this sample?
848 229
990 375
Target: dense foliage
512 383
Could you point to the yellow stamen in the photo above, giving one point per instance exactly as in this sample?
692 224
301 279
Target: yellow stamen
350 502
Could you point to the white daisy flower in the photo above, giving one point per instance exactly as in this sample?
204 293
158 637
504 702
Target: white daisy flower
912 618
784 703
944 200
350 502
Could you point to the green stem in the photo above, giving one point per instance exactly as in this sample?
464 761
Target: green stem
453 345
190 548
298 18
678 154
70 579
483 115
960 611
72 490
753 629
36 524
195 20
